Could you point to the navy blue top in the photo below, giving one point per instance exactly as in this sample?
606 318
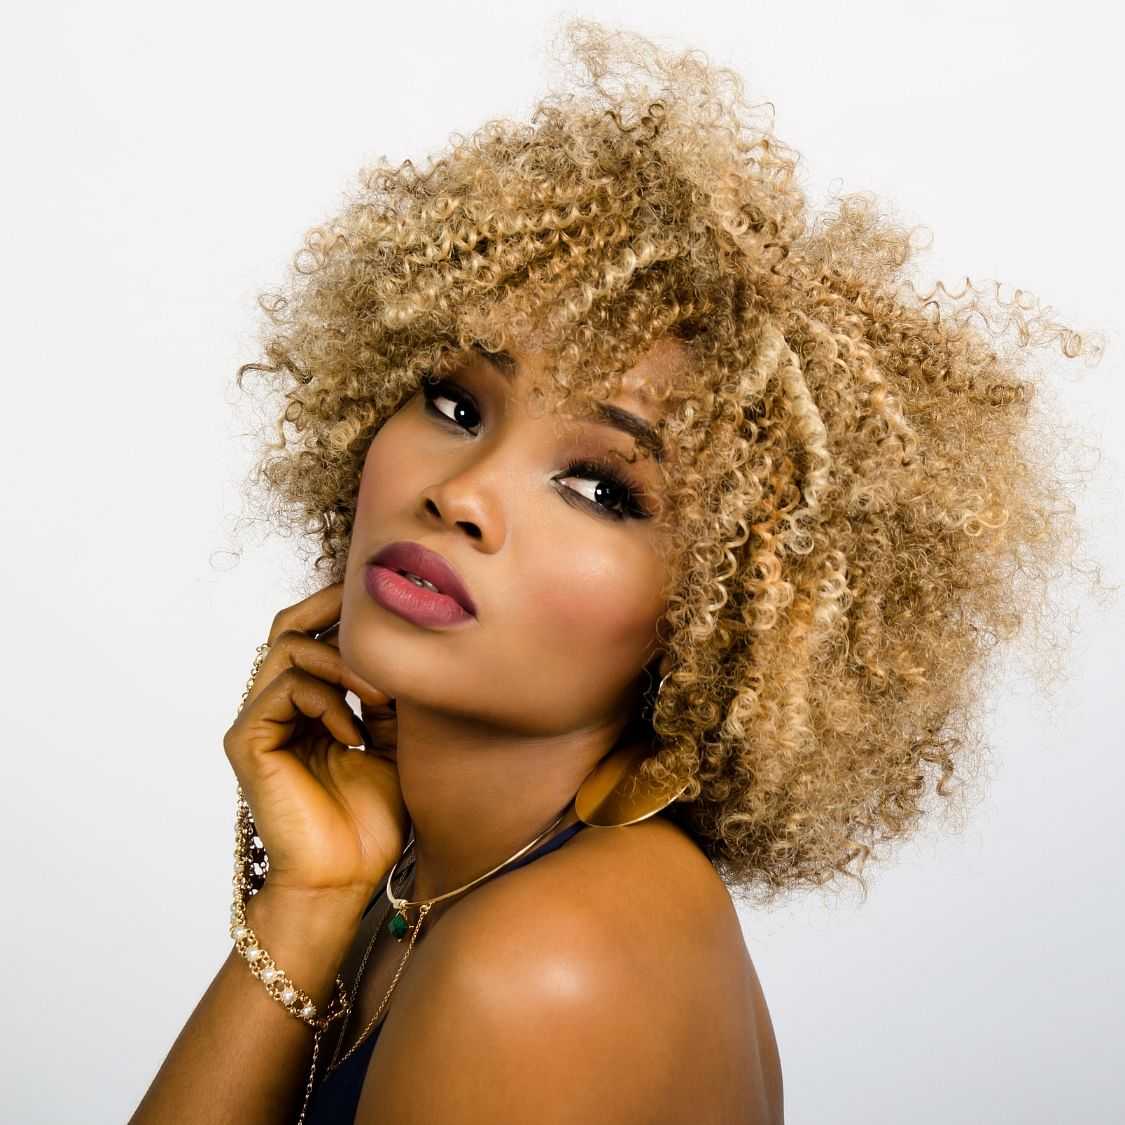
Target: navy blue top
336 1096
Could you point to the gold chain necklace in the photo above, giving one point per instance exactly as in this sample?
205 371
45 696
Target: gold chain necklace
334 1064
397 928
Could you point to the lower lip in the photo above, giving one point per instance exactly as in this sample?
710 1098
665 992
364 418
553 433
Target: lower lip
417 604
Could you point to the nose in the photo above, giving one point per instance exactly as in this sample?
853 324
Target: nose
469 500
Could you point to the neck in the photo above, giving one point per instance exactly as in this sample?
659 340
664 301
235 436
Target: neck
476 795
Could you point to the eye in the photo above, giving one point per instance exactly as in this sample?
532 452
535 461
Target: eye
611 495
440 390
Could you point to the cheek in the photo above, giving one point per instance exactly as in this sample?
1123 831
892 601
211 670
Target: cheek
599 603
383 474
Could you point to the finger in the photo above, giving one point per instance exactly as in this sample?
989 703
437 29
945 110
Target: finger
293 649
313 615
330 636
295 704
383 730
286 702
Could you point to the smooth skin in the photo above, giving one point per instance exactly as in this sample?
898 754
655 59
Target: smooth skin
608 980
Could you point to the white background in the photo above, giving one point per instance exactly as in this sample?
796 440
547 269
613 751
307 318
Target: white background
162 163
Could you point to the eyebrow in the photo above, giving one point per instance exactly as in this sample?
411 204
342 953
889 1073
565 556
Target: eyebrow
607 414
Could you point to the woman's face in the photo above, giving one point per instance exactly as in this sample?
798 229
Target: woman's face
565 571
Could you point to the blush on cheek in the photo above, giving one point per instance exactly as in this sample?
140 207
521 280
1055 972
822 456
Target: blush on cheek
596 613
588 637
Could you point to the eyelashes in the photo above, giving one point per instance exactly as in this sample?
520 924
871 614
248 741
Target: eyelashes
596 468
624 501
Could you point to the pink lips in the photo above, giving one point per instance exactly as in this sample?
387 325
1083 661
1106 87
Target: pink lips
450 604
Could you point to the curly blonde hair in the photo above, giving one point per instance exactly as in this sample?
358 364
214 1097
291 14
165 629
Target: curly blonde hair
859 501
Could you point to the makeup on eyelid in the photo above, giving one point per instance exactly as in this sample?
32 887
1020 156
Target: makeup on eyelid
594 468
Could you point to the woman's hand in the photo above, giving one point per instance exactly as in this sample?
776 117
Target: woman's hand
330 818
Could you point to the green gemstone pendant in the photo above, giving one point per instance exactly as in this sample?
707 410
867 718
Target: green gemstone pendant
398 926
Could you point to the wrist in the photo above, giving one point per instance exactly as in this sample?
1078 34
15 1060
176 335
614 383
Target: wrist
316 917
307 934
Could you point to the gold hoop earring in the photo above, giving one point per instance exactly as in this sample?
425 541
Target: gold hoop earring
613 794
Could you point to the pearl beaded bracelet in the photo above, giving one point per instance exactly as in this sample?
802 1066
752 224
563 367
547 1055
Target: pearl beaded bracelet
295 1001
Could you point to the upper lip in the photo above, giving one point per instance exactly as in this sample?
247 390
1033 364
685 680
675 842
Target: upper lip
403 554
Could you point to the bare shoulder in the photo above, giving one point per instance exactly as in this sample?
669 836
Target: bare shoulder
612 971
666 926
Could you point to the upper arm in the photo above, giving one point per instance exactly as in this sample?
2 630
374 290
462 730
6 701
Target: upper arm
521 1027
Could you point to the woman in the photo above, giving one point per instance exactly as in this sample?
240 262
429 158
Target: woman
666 536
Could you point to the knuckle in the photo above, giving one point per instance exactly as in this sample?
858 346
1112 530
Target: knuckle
274 683
230 743
290 676
280 624
268 675
305 690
